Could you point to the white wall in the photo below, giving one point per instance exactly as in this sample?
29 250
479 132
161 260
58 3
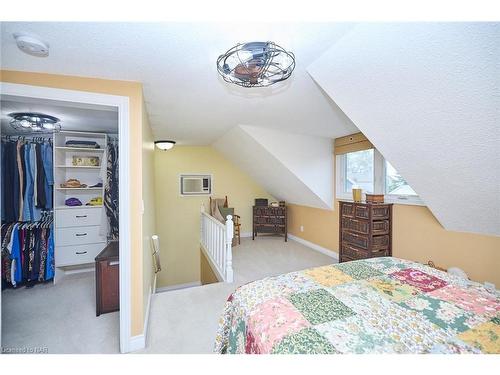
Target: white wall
291 167
427 95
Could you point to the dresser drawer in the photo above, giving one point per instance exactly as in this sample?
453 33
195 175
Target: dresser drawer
78 217
356 225
353 252
79 236
361 241
380 212
347 209
380 227
81 254
380 243
357 240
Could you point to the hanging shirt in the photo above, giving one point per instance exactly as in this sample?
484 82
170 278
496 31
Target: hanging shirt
15 256
49 263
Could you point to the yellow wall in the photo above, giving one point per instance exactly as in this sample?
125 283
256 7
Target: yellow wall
207 274
149 216
178 217
132 90
417 235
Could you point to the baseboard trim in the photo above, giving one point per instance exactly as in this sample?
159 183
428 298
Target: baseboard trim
246 234
177 287
146 317
137 342
315 247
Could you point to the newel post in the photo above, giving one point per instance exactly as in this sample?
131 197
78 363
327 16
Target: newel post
229 250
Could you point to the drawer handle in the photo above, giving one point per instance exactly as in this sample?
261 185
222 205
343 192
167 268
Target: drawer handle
81 252
80 234
114 263
80 216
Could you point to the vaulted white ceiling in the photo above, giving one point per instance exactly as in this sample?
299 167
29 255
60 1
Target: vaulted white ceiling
427 95
176 62
292 167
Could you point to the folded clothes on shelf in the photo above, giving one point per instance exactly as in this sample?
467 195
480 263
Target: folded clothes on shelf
97 201
85 144
99 184
73 183
73 202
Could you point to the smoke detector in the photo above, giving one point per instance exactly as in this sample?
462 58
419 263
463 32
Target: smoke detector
31 45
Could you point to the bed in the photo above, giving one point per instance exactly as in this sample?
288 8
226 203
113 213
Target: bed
377 305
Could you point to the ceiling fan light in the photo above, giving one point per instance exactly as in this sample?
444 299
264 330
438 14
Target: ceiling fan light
25 123
256 64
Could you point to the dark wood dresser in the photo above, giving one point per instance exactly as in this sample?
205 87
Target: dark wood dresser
107 279
365 230
267 219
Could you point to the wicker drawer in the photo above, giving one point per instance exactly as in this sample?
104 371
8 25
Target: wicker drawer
380 227
362 212
353 252
355 225
357 240
380 243
363 241
347 209
380 212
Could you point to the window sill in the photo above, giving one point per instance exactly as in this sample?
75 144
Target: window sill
389 199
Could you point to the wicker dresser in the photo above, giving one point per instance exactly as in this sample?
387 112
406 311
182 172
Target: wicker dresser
268 219
365 230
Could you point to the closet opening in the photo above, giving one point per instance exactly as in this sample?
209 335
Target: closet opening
60 263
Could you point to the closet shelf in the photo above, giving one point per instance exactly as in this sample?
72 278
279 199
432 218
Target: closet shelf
87 188
76 207
78 166
84 149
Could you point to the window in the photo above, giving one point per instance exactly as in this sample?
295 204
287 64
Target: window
394 183
368 170
358 171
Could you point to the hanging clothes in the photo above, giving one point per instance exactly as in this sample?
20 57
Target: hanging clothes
111 190
28 252
27 179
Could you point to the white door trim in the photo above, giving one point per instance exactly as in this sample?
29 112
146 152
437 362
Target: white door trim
122 103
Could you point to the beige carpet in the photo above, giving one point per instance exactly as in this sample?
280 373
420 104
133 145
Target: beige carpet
62 317
186 320
58 317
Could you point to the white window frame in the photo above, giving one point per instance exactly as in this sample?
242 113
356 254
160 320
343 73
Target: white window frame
379 180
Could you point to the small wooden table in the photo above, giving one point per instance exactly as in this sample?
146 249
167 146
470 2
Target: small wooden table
107 279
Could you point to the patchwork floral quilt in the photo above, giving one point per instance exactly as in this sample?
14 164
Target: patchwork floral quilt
378 305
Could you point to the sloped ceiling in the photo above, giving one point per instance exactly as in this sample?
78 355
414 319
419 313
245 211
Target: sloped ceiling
291 167
427 96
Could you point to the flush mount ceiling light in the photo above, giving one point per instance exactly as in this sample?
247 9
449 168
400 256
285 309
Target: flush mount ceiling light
31 45
256 64
164 145
30 122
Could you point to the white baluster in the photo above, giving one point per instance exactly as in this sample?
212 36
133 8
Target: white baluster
228 271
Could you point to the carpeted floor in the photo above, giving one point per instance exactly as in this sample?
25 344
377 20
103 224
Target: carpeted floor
62 317
185 320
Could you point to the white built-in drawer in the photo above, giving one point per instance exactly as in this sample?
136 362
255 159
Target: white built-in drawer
73 255
79 236
78 217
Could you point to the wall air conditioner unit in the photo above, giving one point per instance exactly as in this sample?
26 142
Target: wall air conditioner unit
195 184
